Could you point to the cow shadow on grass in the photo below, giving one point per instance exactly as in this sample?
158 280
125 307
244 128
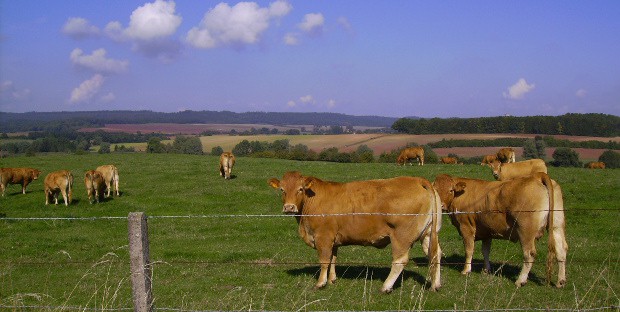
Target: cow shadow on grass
505 270
380 273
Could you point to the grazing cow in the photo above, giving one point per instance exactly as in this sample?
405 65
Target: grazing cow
449 160
56 182
488 159
227 162
21 176
518 169
110 177
411 153
595 165
375 213
95 185
515 210
506 155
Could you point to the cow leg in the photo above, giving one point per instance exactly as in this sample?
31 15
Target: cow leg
47 197
24 188
529 253
400 257
64 196
425 242
468 241
332 267
486 251
561 248
325 256
116 186
108 186
55 198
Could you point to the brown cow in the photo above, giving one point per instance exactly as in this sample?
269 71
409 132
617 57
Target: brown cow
227 162
56 182
411 153
506 155
21 176
515 210
488 159
95 185
595 165
449 160
518 169
110 177
375 213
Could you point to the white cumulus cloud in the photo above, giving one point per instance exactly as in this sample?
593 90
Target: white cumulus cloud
312 23
98 62
518 90
237 26
291 39
10 93
79 28
307 99
154 20
87 89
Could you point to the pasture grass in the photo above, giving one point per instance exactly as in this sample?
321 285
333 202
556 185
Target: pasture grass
217 255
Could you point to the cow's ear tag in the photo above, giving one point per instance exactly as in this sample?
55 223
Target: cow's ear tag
273 182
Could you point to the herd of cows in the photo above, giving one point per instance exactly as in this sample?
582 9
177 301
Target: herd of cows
519 206
60 182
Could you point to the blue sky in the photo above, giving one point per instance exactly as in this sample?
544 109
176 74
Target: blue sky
387 58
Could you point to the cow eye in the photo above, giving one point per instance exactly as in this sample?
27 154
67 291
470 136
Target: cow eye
301 189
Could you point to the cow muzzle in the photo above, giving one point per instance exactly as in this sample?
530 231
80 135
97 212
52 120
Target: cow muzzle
290 209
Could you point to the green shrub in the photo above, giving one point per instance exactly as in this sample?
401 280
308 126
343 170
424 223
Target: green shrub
566 157
610 158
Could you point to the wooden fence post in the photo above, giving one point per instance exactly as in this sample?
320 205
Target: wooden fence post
141 287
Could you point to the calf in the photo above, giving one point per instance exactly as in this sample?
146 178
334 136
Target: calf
95 185
448 160
56 182
595 165
507 171
227 162
110 177
21 176
375 213
411 153
515 210
506 155
488 159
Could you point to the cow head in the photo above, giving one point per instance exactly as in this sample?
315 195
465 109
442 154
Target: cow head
294 188
35 173
496 166
447 189
401 160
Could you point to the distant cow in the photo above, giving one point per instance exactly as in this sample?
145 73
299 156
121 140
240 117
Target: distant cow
516 210
411 153
21 176
595 165
518 169
506 155
449 160
95 185
59 182
110 177
375 213
488 159
227 162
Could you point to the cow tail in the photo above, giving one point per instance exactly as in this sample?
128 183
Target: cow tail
551 254
434 252
70 186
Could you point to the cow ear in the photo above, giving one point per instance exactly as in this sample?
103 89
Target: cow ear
308 182
459 188
273 182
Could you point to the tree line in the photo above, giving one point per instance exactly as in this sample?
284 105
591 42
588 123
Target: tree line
601 125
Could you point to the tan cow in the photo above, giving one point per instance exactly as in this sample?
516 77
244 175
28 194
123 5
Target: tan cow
21 176
375 213
507 171
227 162
56 182
110 177
506 155
595 165
516 210
488 159
411 153
449 160
95 185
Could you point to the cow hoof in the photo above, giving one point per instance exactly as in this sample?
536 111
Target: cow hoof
386 291
520 283
465 272
560 284
319 286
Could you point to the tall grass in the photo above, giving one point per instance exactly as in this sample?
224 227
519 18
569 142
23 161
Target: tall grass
219 259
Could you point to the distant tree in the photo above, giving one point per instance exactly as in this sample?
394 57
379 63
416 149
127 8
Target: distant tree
430 157
244 148
364 154
217 151
155 146
566 157
529 149
610 158
104 148
292 132
187 145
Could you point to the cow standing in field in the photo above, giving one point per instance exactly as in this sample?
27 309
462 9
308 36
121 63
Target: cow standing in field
375 213
488 159
227 162
110 177
56 182
411 153
515 210
595 165
506 155
449 160
21 176
95 185
508 171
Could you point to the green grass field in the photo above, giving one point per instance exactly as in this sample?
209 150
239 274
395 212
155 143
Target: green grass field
211 251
